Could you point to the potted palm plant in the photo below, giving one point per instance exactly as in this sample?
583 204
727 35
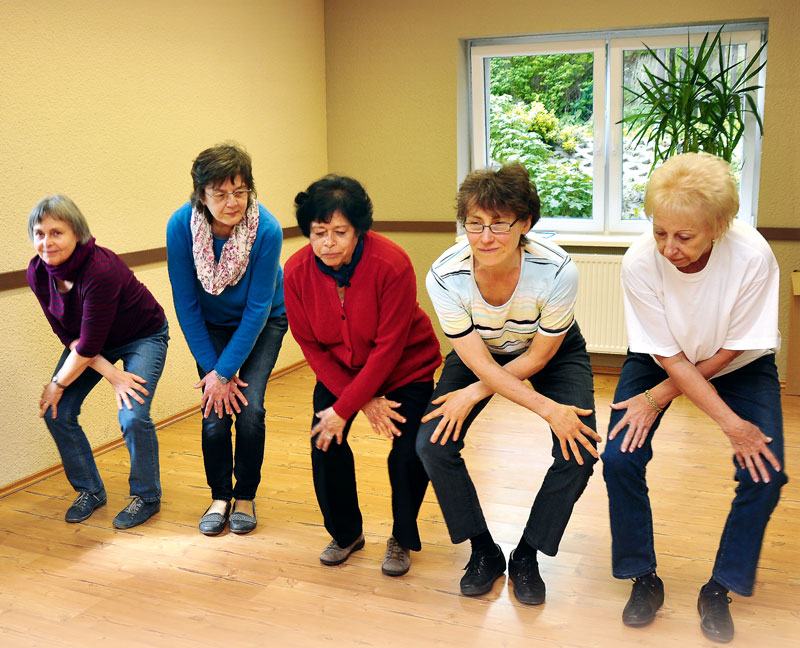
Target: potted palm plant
695 101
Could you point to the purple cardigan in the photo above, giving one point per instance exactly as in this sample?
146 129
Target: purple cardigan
107 306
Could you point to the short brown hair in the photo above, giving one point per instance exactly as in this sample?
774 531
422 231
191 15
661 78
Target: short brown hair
508 189
217 164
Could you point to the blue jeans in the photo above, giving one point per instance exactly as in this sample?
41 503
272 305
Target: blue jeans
218 455
144 357
753 393
566 379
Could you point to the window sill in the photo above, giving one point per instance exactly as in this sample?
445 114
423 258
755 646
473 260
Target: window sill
567 239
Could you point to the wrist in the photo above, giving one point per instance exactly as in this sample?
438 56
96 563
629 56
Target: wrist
221 378
54 381
652 402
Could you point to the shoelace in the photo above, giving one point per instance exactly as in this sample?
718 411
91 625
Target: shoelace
82 499
394 551
640 590
719 601
135 505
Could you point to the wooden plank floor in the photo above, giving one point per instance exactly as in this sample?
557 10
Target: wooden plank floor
164 584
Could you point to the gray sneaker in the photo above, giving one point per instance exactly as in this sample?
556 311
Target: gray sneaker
333 554
135 513
397 560
84 505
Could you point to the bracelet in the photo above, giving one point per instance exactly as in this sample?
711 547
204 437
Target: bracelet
221 378
652 401
54 380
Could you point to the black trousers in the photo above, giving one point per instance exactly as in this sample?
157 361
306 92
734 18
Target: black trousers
566 379
335 476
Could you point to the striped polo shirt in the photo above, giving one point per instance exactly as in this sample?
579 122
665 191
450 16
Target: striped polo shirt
543 301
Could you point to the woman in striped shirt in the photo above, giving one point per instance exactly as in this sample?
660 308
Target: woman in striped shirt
506 302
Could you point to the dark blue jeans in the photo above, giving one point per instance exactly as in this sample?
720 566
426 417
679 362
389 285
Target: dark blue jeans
144 357
566 379
753 393
335 476
220 462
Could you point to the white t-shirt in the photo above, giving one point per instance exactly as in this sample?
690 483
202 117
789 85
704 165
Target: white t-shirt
543 301
732 303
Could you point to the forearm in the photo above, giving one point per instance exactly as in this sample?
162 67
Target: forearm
691 382
667 390
528 364
498 380
73 366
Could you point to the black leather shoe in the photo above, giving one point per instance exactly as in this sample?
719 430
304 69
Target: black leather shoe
647 596
84 505
482 571
715 617
528 584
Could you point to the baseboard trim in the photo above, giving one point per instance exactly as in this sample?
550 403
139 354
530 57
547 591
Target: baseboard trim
23 483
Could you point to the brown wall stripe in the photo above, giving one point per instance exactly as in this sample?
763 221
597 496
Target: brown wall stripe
16 278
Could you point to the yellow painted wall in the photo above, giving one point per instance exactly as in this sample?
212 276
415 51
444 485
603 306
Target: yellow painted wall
397 94
109 102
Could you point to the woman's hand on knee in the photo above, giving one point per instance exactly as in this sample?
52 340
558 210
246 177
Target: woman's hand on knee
329 427
127 385
51 395
216 395
639 418
750 445
571 431
381 414
453 407
235 395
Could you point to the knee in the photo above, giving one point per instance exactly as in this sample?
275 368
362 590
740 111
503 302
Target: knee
251 420
619 464
134 419
65 419
434 455
766 491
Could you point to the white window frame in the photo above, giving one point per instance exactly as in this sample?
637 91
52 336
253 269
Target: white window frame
608 48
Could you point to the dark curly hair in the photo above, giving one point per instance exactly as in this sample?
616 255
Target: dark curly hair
330 194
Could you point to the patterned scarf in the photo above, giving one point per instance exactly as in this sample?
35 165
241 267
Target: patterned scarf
216 276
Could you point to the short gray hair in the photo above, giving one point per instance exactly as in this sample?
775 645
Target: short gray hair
63 209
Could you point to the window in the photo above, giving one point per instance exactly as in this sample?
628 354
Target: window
555 104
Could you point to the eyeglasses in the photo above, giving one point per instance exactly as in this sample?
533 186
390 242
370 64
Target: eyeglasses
240 195
496 228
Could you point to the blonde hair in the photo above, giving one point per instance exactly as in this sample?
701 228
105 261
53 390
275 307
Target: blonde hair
694 182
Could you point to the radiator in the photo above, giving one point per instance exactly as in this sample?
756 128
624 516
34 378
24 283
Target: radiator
599 308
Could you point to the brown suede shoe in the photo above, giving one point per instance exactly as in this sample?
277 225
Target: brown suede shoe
333 554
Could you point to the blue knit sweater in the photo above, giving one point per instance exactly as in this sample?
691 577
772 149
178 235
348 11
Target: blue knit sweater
246 306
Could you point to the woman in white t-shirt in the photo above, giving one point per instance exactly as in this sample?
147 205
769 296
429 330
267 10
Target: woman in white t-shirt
505 299
701 306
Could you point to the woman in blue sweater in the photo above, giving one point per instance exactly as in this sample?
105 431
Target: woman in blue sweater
223 250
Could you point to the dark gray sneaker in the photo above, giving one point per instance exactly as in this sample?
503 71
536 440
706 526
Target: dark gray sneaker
135 513
84 505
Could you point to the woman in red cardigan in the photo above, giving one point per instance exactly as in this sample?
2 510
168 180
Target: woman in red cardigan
351 298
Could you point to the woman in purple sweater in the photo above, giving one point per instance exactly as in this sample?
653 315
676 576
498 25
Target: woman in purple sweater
102 314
